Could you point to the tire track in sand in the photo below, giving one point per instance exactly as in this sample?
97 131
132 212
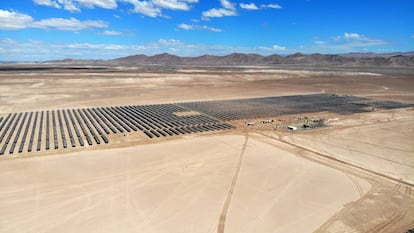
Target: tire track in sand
222 220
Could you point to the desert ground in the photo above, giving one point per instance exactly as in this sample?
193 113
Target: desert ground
354 175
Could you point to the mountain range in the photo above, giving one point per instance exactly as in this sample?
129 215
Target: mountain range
241 59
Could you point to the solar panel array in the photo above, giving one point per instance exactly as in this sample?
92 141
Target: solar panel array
77 127
238 109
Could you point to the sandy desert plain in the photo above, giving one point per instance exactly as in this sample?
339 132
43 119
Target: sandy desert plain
355 175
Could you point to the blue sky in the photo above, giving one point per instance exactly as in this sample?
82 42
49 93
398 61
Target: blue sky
38 30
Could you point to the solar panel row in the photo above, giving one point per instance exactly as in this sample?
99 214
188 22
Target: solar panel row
6 142
39 137
26 130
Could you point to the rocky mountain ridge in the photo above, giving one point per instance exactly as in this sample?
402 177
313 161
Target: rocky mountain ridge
235 59
241 59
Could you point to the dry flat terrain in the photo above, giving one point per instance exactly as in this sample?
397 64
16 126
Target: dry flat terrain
356 175
29 90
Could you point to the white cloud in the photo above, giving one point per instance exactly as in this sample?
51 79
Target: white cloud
94 46
106 4
264 48
204 27
10 20
249 6
188 27
279 48
174 4
358 40
337 38
111 33
228 9
412 36
185 26
169 42
348 42
74 5
69 5
252 6
274 48
227 4
40 51
145 7
8 41
273 6
47 3
217 13
355 36
71 24
151 8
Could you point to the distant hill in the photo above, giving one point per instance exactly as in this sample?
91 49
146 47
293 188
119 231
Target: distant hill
168 59
235 59
371 55
72 61
241 59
